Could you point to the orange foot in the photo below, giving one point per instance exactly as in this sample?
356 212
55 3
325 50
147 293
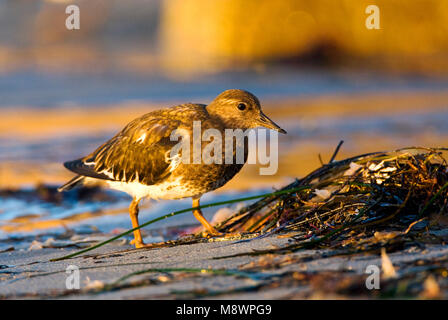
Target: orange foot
212 233
216 233
141 244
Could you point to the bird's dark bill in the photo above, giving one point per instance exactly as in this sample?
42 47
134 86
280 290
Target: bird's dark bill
268 123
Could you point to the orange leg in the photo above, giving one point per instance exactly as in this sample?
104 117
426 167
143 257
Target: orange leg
133 212
198 215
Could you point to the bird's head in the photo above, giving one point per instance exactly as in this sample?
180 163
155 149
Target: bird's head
239 109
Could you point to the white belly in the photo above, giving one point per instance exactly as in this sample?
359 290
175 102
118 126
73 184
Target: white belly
171 189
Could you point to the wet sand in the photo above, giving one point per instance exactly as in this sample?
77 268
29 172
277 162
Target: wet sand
205 270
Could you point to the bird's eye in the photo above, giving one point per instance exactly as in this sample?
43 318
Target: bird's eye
242 106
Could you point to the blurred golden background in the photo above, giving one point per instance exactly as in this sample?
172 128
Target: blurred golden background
316 66
183 37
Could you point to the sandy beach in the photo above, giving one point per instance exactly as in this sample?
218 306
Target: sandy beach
207 270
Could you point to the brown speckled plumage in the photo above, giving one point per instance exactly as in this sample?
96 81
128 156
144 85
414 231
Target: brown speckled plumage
137 155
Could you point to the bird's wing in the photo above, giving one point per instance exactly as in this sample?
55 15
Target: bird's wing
137 153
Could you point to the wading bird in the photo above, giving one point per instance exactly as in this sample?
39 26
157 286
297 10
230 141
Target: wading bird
138 159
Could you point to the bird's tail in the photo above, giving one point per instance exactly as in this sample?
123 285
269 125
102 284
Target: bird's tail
78 180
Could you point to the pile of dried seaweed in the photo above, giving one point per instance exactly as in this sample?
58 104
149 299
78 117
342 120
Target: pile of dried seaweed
358 202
